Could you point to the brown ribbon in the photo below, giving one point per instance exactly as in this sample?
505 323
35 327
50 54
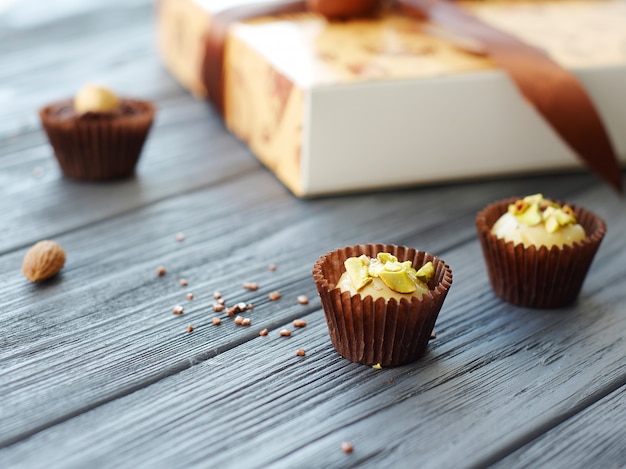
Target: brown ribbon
554 92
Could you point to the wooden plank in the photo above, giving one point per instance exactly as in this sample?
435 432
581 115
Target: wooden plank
493 375
108 296
96 353
592 438
109 290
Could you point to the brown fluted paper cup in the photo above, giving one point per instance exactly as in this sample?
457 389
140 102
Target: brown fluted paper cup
98 147
375 331
538 277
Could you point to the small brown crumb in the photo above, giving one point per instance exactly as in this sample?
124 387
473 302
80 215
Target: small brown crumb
272 267
303 299
182 282
285 332
241 306
231 311
221 301
300 352
218 307
180 237
217 295
347 447
274 295
239 320
299 323
251 286
161 271
246 322
250 306
433 335
177 309
216 321
264 332
189 328
190 296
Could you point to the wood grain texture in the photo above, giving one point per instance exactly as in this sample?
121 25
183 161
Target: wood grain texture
486 364
96 371
592 438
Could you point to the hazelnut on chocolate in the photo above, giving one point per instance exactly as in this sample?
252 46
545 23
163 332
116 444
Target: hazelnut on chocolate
94 98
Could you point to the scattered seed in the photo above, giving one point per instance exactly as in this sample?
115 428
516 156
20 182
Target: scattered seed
246 322
190 296
274 295
221 301
347 447
272 267
231 311
239 320
189 328
182 282
250 306
216 321
177 309
180 237
218 307
161 271
285 332
299 323
241 306
251 285
303 300
433 335
264 332
217 295
300 352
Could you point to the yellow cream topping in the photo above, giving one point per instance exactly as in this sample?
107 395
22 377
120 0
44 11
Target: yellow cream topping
537 221
384 276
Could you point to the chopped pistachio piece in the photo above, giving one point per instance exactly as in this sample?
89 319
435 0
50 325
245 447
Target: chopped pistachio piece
534 199
398 281
426 272
535 209
564 218
393 267
531 216
551 225
385 257
386 270
358 272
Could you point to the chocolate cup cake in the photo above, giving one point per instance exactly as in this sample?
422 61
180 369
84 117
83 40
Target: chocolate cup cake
98 145
371 330
538 277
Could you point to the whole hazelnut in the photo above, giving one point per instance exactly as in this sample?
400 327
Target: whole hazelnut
93 98
42 261
344 9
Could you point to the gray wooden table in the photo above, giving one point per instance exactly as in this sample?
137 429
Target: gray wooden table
96 371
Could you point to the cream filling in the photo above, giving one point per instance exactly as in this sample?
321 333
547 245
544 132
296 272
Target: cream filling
510 229
377 289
